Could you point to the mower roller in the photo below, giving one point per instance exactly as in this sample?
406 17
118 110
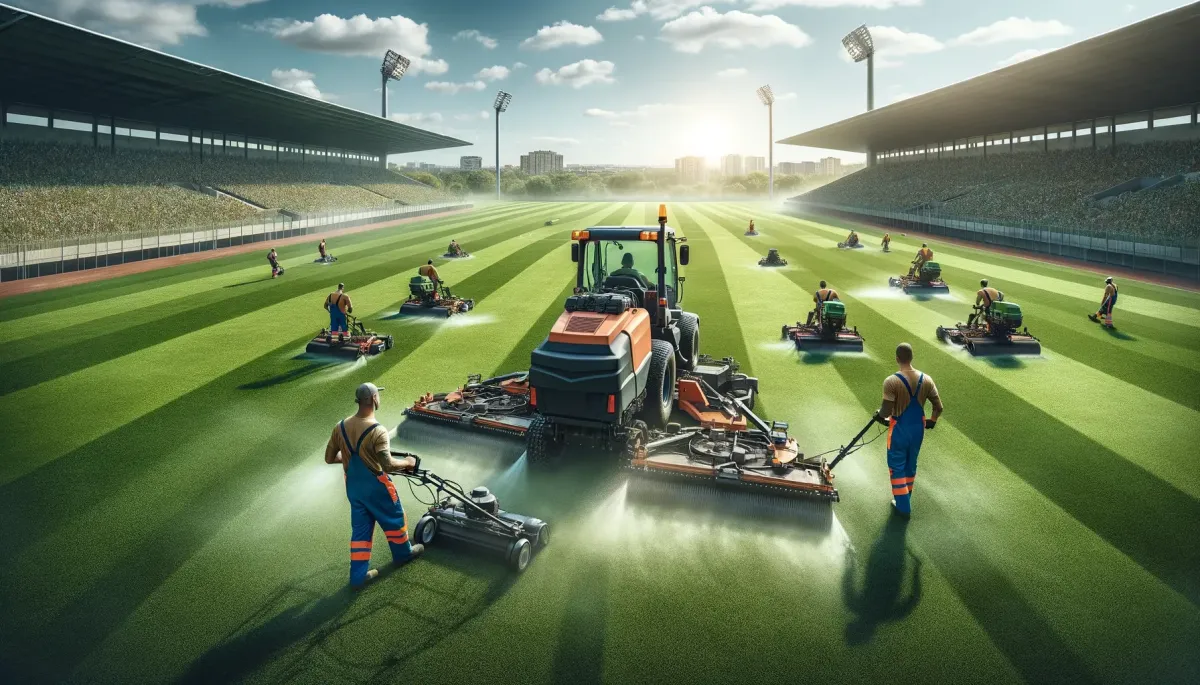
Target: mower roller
772 259
327 259
475 519
994 333
355 343
926 280
847 246
499 405
426 300
827 334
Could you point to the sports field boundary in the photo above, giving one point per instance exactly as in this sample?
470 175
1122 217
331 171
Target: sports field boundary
63 280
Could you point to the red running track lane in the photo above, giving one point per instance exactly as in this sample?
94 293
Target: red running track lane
63 280
1115 271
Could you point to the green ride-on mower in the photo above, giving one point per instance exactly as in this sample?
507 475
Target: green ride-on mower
426 300
926 280
993 331
772 259
825 331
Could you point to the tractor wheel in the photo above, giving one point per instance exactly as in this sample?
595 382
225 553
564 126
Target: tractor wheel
540 445
660 386
689 341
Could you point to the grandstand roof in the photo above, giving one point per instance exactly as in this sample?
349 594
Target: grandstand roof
1153 64
51 64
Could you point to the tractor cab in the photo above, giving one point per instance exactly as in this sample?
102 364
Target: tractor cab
627 259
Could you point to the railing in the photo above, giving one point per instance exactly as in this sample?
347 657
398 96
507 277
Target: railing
45 257
1165 253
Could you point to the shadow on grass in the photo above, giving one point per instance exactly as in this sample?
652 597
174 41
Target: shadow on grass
580 654
881 599
257 280
1117 334
1004 361
312 367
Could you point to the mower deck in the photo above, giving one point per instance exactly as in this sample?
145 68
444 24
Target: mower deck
358 342
772 259
856 246
499 405
812 338
913 286
980 341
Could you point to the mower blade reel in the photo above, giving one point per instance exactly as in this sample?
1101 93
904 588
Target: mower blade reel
1001 348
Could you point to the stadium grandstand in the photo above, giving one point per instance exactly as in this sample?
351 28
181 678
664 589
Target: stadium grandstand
99 136
1098 141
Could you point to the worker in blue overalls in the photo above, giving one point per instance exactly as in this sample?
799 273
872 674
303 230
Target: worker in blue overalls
360 445
338 304
903 410
1104 314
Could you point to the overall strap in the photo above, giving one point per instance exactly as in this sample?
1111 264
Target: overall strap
345 437
920 380
365 433
906 385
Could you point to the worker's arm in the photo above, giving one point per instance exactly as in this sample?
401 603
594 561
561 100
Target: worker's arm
978 298
889 399
936 401
349 306
333 451
383 448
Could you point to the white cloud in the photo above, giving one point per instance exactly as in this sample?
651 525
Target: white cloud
560 34
453 88
481 114
417 118
579 74
640 38
297 81
519 65
360 36
599 113
1024 55
495 73
557 139
619 14
733 30
895 42
475 35
762 5
657 9
153 23
732 72
1013 29
625 118
785 97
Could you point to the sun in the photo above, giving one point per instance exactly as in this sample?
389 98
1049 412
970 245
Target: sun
706 136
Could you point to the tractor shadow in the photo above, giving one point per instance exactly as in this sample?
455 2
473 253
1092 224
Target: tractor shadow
881 598
1004 362
309 369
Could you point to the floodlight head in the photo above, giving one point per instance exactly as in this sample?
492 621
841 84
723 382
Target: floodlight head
394 65
502 100
765 94
859 44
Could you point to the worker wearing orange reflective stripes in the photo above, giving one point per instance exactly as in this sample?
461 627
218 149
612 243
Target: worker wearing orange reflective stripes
820 297
903 410
1104 315
361 446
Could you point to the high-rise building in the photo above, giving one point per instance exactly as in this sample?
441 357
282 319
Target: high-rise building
731 165
469 163
754 164
808 168
410 165
798 168
541 162
831 166
690 170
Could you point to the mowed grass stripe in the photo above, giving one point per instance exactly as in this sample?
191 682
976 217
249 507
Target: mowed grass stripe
1104 490
1055 383
116 340
219 275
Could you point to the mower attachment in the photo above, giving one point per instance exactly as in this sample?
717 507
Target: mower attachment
356 343
499 405
994 333
827 334
928 280
426 300
772 259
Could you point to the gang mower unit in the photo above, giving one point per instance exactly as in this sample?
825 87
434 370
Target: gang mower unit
427 300
851 243
994 331
772 259
825 331
455 251
352 344
475 519
925 280
327 259
499 405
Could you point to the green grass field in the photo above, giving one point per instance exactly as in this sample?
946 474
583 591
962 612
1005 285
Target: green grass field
166 513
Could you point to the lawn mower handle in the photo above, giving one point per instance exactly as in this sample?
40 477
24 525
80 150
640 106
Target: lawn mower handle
846 450
451 489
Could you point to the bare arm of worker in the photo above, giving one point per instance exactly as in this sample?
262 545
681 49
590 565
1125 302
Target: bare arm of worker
889 399
333 451
349 306
935 399
383 448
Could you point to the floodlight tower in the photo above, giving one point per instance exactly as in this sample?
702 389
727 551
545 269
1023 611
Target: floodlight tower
768 98
394 66
501 105
861 47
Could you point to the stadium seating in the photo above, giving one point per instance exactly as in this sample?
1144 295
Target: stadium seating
1051 190
52 191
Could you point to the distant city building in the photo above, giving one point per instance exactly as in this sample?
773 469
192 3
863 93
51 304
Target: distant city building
798 168
541 162
731 165
425 166
831 166
410 165
470 163
690 170
808 168
754 164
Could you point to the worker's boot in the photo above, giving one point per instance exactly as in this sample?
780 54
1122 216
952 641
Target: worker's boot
371 575
417 550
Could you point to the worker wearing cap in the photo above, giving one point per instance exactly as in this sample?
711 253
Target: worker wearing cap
887 240
273 258
337 303
360 444
903 410
820 297
1104 314
984 298
628 270
428 270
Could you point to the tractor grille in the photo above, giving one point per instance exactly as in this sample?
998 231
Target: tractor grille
584 324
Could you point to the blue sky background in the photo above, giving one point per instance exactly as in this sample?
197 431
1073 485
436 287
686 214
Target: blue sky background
651 91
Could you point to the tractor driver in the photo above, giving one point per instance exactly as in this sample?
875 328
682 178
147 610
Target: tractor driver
360 444
923 255
628 270
337 303
751 229
429 271
903 410
820 297
983 301
852 239
455 248
887 240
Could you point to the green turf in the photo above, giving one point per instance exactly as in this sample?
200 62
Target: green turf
167 515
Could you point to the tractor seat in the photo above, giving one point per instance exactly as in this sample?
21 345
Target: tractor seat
628 283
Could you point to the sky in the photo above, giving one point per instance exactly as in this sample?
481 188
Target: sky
638 82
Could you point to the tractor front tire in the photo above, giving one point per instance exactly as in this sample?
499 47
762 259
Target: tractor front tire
689 341
660 385
540 445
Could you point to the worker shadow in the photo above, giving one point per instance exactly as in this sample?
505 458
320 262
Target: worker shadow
881 598
579 657
252 282
1118 335
289 376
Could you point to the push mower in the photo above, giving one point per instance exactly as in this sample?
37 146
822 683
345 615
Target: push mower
475 519
772 259
828 333
993 333
926 280
327 259
751 232
499 405
426 300
550 222
356 343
